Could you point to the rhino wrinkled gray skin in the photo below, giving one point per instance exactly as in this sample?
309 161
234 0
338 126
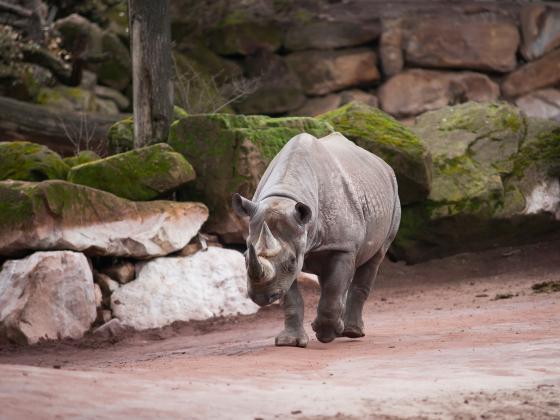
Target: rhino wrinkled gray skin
328 207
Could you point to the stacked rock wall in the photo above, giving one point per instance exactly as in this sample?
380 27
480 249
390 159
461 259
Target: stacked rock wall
410 57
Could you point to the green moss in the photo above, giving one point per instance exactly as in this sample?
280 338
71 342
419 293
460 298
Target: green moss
140 175
120 137
384 136
482 119
25 161
84 156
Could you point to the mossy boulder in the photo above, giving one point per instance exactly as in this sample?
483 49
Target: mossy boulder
140 175
58 215
230 153
120 136
65 98
495 176
384 136
25 161
85 156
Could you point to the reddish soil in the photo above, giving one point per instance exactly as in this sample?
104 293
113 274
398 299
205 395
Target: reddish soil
461 337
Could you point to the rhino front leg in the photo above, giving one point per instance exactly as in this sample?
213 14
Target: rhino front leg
293 335
335 277
358 294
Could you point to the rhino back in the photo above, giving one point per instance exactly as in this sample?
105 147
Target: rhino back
352 192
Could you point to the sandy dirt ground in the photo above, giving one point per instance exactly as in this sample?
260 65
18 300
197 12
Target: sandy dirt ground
462 337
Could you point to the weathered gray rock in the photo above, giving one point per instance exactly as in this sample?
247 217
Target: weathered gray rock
379 133
48 295
322 72
60 215
544 103
102 50
114 95
495 181
391 47
449 43
318 105
244 38
25 161
540 27
278 88
140 174
204 285
534 75
415 91
329 35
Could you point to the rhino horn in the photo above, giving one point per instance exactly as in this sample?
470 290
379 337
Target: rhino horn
255 268
267 245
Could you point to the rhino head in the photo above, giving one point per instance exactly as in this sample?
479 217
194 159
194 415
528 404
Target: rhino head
275 245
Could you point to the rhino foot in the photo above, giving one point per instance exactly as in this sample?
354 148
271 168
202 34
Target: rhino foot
293 338
327 331
353 331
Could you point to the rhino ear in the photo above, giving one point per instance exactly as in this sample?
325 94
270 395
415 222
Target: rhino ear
242 206
302 213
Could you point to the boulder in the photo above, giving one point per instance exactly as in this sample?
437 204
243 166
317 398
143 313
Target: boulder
391 47
114 95
326 35
25 161
64 98
244 38
534 75
60 215
85 156
488 161
382 135
120 136
46 296
544 103
449 43
321 104
204 285
540 27
102 50
112 328
230 153
322 72
318 105
415 91
278 88
140 175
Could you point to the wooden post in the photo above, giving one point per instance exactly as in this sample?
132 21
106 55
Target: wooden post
150 36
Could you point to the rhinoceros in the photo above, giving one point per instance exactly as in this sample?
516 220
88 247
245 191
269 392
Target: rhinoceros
324 206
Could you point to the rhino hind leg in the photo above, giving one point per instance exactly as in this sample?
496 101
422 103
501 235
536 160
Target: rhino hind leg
334 277
357 295
293 335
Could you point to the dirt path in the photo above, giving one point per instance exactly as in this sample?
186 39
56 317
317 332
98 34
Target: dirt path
438 345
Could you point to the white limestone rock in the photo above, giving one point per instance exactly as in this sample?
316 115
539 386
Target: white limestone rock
204 285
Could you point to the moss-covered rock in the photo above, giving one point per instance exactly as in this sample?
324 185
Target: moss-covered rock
230 153
84 156
120 136
140 175
381 134
58 215
25 161
65 98
495 176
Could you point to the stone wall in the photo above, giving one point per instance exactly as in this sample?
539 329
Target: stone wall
406 57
